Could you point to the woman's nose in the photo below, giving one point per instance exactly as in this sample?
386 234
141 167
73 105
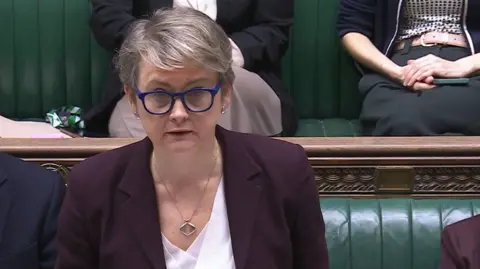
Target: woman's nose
179 111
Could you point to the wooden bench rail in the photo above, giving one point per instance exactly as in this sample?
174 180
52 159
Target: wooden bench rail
359 166
314 146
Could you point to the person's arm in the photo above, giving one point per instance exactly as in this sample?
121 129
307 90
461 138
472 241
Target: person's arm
473 61
363 51
74 239
110 21
47 248
449 258
267 39
355 23
308 232
476 60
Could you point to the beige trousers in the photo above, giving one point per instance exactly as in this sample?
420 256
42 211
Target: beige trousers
255 108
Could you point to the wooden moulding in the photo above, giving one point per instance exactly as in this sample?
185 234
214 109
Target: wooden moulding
355 166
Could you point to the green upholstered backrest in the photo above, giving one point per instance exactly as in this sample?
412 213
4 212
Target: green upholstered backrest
319 73
389 233
48 57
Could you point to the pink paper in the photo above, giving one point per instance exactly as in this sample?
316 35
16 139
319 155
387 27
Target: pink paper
48 136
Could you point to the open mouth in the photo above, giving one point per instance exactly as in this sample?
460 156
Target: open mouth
179 133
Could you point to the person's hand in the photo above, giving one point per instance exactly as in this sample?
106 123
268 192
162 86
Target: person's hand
399 76
421 86
425 68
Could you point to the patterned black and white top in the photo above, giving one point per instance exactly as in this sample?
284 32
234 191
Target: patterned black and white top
422 16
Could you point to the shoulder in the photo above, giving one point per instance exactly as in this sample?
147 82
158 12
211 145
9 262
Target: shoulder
286 173
466 227
97 171
94 180
284 164
460 238
30 179
272 151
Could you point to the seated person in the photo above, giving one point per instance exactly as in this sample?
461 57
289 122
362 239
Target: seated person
461 245
258 31
404 46
30 200
191 194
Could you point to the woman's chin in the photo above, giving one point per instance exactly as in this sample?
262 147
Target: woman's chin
180 145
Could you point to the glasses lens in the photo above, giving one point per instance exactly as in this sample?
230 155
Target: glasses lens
198 99
158 102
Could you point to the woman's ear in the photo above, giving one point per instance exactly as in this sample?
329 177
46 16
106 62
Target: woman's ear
132 100
226 94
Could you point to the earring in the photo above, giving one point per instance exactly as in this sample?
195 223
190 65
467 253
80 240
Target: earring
136 115
223 109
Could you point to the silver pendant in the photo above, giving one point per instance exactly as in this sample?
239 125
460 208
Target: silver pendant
187 228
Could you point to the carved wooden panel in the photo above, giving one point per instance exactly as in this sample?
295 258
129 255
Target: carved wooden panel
345 180
447 179
423 179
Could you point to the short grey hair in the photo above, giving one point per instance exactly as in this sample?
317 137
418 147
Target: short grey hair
172 38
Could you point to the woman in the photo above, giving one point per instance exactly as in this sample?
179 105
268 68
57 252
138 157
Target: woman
190 195
259 33
404 45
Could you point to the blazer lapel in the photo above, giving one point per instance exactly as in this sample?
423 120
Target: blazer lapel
243 188
138 205
5 200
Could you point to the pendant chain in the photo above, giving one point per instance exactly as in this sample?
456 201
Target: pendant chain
187 228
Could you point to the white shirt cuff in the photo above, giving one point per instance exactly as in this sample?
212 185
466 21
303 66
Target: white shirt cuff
237 55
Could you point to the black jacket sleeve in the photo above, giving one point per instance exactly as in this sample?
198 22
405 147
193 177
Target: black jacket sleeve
267 38
356 16
110 21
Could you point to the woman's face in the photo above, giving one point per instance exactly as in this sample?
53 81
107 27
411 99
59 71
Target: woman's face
179 129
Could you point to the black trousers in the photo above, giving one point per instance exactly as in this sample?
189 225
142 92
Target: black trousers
390 109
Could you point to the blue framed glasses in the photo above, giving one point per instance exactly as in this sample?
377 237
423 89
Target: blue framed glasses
160 102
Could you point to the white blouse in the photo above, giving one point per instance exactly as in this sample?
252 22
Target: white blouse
212 249
209 7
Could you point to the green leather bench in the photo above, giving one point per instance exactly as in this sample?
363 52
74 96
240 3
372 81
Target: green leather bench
389 233
50 59
320 74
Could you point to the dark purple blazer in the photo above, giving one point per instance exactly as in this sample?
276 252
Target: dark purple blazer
461 245
109 219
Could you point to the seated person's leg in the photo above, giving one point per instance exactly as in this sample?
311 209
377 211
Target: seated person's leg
392 109
447 109
255 106
387 108
123 123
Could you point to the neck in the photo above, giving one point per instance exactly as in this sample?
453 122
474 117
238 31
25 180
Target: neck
182 168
